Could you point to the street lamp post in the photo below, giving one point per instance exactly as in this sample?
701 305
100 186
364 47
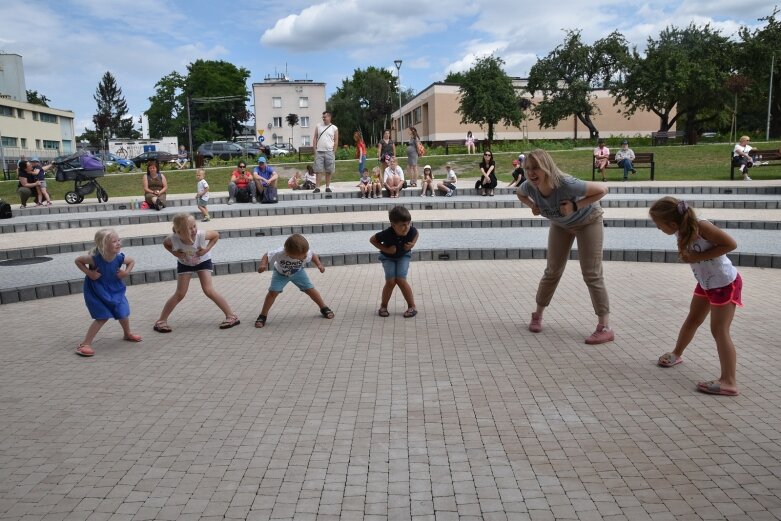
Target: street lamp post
399 135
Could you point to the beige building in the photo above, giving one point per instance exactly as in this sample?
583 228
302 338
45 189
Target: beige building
26 129
434 113
277 97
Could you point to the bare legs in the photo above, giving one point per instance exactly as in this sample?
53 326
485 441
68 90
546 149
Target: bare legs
182 285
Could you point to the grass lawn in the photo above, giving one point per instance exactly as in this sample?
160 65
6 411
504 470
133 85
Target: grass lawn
673 163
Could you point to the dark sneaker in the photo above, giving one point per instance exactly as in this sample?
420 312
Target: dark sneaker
328 189
535 326
601 335
316 191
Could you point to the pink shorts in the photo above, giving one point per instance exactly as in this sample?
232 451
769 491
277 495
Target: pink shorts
730 294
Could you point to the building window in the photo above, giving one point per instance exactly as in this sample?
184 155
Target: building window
276 103
303 103
9 141
50 145
24 142
48 118
279 140
20 113
277 121
6 111
35 116
37 144
306 141
417 115
304 121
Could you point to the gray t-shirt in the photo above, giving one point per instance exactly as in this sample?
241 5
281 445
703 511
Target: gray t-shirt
571 187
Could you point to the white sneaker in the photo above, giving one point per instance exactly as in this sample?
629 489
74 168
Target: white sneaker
231 200
746 177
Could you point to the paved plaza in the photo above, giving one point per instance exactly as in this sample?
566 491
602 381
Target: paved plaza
458 413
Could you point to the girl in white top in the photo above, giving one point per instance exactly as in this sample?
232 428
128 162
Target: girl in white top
394 178
192 249
719 287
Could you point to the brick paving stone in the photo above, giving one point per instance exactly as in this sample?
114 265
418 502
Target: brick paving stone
394 418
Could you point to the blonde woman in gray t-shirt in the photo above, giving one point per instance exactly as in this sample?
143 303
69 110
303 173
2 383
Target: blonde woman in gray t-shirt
574 213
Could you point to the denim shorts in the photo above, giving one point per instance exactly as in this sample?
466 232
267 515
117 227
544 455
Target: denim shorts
201 202
299 278
395 267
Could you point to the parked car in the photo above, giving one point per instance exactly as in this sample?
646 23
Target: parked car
224 150
159 156
282 149
110 159
254 149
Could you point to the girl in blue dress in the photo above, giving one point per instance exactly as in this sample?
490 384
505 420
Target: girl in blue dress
105 267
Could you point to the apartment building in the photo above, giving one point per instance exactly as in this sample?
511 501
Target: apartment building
27 129
278 96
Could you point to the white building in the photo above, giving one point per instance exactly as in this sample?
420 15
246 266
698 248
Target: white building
27 129
279 96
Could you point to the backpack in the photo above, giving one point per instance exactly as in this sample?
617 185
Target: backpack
5 210
269 195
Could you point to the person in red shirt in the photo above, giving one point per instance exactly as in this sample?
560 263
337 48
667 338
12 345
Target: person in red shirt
360 151
242 187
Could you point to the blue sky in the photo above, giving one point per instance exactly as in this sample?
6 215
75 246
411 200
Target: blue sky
67 45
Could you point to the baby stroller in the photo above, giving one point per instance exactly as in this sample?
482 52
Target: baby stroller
83 169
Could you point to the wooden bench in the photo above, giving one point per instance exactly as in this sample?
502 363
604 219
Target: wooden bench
642 160
461 143
307 151
762 158
660 138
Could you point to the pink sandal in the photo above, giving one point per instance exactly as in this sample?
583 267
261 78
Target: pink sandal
85 350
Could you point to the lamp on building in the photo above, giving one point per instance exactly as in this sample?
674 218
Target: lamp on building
397 63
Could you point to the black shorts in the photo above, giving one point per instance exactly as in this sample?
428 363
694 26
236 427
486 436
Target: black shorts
204 266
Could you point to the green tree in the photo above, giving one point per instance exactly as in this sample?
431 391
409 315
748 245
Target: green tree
568 76
488 97
112 110
167 113
681 78
37 99
758 50
218 96
292 121
364 102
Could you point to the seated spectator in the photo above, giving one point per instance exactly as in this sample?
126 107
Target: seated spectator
601 157
28 182
309 179
624 158
487 179
182 159
393 179
448 186
241 187
519 174
40 171
264 176
741 157
155 186
295 181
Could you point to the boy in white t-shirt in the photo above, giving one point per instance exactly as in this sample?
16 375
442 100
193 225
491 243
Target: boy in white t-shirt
288 266
202 194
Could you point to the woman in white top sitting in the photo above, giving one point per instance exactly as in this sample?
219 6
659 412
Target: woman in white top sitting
393 178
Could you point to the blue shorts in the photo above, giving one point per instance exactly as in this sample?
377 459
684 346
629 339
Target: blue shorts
395 267
299 278
204 266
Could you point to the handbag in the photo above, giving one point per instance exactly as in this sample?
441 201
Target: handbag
269 195
421 149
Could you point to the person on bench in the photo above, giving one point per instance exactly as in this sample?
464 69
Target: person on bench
741 157
601 157
624 158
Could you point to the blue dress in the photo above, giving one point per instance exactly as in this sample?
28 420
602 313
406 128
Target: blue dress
105 297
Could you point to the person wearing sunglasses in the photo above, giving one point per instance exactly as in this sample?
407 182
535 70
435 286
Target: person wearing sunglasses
488 174
241 187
